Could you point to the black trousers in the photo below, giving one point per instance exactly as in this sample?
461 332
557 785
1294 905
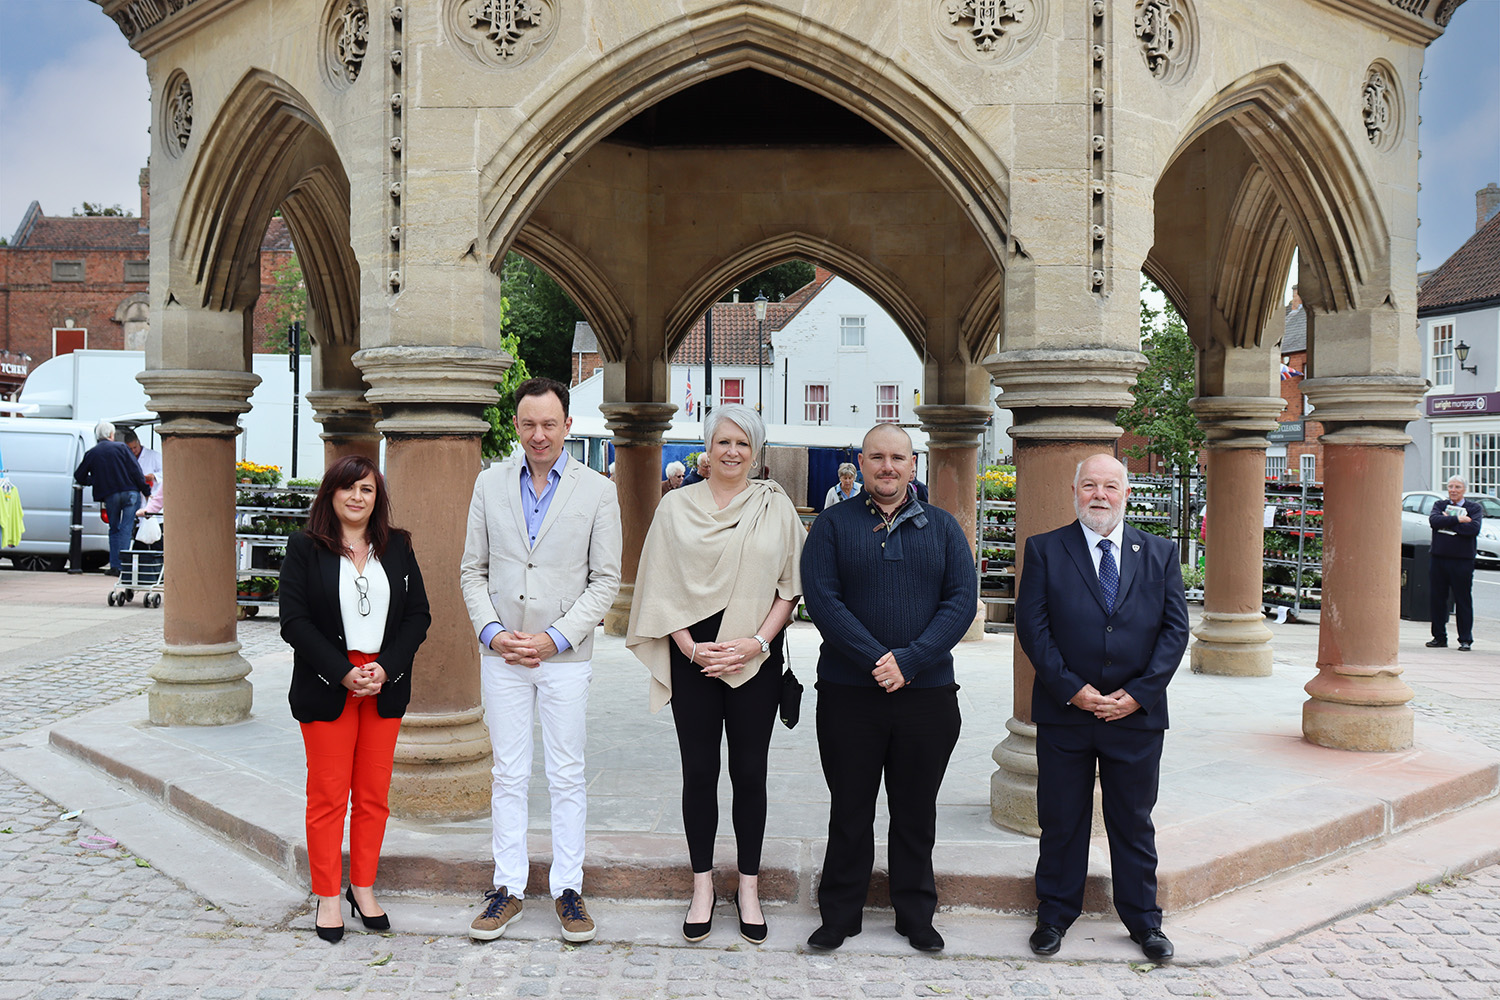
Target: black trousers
705 709
1457 575
1129 766
908 736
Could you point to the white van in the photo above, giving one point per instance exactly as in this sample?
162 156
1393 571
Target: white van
38 456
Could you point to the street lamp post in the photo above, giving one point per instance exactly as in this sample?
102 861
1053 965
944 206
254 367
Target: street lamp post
760 352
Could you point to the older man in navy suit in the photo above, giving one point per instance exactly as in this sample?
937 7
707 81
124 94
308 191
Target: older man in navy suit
1102 616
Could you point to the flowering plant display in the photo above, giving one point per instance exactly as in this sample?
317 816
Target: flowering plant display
263 475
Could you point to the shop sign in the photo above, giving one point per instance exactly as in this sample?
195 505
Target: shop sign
1463 406
1288 430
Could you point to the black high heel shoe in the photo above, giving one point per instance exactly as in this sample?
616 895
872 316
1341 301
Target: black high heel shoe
380 923
754 933
333 935
694 933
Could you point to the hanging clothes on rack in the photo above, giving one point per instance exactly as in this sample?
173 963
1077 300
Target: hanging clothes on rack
12 527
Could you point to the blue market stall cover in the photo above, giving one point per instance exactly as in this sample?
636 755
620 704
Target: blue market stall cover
823 471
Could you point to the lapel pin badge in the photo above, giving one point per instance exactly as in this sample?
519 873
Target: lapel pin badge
1135 548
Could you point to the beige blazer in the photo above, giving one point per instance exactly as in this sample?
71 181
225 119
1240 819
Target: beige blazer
569 580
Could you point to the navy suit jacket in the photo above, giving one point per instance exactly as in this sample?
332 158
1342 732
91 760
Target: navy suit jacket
1064 630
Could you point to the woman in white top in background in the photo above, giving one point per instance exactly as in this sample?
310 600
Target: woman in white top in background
354 611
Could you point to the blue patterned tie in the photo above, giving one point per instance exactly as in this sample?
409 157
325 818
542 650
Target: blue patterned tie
1109 575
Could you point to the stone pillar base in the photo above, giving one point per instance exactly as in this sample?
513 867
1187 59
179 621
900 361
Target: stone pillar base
442 768
1357 727
1013 785
617 618
199 686
1232 645
976 627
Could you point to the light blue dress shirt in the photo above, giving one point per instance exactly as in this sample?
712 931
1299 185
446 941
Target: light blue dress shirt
535 508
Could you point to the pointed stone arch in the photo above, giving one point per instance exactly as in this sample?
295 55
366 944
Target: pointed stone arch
586 284
875 281
266 150
1308 162
726 37
1254 257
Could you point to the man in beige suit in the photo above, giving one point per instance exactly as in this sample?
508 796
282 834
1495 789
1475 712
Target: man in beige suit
541 566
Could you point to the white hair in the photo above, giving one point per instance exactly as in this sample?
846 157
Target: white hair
103 430
675 469
742 416
1459 480
846 469
1078 470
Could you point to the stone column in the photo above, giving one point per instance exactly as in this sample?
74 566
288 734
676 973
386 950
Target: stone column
1232 639
637 430
200 678
1063 403
433 399
953 431
348 424
1358 700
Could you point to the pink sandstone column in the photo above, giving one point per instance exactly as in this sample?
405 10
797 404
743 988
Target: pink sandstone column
953 431
637 429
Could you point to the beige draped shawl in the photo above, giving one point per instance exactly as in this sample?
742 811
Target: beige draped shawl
698 560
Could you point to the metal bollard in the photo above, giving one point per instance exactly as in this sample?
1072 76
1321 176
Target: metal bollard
75 536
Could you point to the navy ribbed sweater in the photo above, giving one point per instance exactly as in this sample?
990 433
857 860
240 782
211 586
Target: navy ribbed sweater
912 594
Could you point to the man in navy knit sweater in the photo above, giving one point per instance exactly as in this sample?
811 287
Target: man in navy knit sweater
1455 534
890 584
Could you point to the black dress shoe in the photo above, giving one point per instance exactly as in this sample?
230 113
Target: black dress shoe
754 933
825 938
697 932
921 938
380 923
333 935
1437 643
1047 939
1154 944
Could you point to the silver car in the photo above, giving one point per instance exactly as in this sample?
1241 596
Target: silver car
1417 506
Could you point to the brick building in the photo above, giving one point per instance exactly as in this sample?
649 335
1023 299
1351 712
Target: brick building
1294 449
72 282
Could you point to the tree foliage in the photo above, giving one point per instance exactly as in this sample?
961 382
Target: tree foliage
776 283
100 209
501 437
288 305
1163 391
540 316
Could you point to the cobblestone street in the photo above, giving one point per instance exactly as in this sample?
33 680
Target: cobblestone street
80 917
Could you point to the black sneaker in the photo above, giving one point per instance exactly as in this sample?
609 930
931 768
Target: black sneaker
1437 644
1463 647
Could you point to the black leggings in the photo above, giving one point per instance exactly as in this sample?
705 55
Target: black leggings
704 709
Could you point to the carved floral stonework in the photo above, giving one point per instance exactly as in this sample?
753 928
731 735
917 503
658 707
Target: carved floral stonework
177 116
1167 33
1380 106
502 32
990 30
349 38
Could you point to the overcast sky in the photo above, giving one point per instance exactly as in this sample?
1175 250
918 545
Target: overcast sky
74 110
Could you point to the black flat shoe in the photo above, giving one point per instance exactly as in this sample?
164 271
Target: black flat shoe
380 923
333 935
1047 939
754 933
693 933
921 938
825 938
1154 944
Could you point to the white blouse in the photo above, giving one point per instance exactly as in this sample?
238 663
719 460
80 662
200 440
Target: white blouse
364 632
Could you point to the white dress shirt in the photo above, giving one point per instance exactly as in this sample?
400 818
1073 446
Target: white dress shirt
1115 538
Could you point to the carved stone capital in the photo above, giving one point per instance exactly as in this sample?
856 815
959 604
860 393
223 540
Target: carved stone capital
1237 421
1366 409
1067 394
432 390
637 425
198 401
953 425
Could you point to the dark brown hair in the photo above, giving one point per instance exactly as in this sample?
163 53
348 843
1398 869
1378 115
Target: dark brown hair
323 525
540 387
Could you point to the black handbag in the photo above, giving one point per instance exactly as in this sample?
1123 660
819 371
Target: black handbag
791 699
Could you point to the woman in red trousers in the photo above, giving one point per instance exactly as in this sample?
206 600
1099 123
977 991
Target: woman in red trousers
354 612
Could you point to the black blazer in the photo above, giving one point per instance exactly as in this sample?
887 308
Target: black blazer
312 625
1063 629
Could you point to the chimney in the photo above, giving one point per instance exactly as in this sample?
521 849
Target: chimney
1486 202
1296 301
145 182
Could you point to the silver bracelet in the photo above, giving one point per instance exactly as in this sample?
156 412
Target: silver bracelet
693 656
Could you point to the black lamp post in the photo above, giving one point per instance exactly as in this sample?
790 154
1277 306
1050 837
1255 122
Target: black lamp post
760 354
1461 351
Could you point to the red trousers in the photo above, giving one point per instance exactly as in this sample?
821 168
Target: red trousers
348 772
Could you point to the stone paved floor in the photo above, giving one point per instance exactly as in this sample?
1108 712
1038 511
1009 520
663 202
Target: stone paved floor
81 918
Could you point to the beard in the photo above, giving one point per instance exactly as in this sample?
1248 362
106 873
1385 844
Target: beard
1098 520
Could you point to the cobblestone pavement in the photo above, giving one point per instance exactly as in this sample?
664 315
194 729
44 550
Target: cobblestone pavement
82 918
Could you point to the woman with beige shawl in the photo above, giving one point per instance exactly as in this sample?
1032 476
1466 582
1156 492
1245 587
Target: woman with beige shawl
717 583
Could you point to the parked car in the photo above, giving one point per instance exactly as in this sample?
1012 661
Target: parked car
39 455
1417 506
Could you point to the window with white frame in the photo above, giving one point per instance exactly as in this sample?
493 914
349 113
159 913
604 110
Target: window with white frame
731 390
851 331
1309 468
1484 463
1450 457
1275 466
887 403
1442 354
815 402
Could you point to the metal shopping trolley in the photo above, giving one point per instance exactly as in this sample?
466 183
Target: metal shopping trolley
142 568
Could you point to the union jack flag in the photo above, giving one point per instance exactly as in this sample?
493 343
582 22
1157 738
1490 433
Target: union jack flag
1288 373
689 405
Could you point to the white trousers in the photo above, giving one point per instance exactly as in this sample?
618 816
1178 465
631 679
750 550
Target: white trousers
558 693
